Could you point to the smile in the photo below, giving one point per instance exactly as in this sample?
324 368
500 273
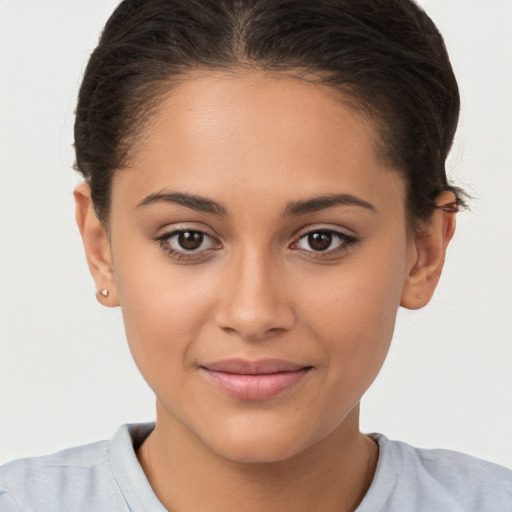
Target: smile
254 380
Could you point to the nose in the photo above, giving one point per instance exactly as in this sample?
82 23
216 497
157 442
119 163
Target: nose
254 303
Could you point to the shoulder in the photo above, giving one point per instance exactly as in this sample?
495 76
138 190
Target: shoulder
440 479
455 472
60 481
459 467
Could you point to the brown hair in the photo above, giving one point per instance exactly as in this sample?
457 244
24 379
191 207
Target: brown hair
386 55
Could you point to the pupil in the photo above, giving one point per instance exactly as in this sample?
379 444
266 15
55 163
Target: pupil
319 241
190 240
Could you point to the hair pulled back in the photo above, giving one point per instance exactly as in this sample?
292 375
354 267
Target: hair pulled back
386 56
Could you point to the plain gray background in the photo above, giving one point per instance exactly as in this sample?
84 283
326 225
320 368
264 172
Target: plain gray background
66 376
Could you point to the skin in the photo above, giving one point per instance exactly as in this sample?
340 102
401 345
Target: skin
257 144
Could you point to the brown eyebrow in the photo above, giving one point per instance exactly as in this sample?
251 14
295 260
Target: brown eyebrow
315 204
198 203
301 207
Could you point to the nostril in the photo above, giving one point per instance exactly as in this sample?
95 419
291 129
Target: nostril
252 335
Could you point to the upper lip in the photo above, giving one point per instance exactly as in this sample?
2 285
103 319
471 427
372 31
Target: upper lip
259 367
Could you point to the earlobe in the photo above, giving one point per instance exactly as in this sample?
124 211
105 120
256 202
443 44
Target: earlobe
428 254
96 245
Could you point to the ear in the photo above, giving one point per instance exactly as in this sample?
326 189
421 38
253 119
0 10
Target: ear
96 245
428 253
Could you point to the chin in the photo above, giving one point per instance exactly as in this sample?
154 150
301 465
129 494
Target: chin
258 444
261 451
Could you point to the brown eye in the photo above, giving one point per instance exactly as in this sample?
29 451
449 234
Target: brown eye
190 240
326 242
320 240
188 243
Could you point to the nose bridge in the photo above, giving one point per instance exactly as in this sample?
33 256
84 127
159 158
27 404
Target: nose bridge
253 303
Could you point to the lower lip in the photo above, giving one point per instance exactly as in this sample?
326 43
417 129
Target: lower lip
255 387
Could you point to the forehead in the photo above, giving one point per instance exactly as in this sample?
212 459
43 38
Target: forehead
270 134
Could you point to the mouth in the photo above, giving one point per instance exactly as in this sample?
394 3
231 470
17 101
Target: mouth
254 380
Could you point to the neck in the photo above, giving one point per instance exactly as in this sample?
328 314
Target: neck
332 475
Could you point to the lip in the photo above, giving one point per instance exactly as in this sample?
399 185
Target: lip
254 380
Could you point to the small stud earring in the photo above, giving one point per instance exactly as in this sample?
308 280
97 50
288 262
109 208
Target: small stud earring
104 292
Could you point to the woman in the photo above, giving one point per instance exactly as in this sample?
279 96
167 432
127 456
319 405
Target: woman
264 187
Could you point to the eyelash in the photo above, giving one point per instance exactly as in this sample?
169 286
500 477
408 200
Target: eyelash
184 255
346 242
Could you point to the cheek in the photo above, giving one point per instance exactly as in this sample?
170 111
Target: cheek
361 298
164 309
353 311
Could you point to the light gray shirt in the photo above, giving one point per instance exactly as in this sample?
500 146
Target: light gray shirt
107 477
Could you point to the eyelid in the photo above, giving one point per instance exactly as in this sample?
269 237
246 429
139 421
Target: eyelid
171 228
347 242
345 235
333 228
170 231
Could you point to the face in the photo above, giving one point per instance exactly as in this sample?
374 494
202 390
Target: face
260 250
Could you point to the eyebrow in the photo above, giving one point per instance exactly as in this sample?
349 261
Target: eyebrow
198 203
318 203
296 208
